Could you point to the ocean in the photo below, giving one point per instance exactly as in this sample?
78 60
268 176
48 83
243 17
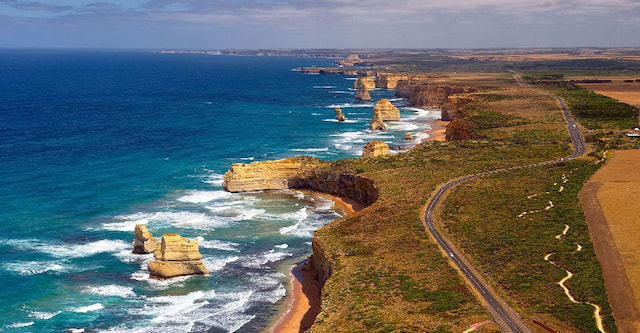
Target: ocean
94 142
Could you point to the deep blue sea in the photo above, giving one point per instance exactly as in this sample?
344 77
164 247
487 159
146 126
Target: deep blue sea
94 142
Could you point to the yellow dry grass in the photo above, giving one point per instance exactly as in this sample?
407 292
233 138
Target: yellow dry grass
626 92
619 197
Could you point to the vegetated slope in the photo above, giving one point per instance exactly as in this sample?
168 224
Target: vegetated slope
390 277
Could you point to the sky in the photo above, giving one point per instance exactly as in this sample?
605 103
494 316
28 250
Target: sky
224 24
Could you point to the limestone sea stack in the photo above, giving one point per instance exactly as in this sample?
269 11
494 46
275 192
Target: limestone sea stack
375 148
367 81
143 240
408 136
377 124
177 256
339 115
363 94
388 111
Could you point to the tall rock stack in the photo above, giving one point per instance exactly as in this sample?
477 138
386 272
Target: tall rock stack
177 256
388 111
363 94
367 81
377 124
339 115
143 240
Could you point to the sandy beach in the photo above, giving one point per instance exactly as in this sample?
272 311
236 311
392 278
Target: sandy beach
303 304
438 130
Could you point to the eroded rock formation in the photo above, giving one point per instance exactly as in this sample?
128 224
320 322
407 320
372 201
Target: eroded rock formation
177 256
389 81
363 94
375 148
388 111
304 173
339 115
427 95
408 136
367 81
377 124
268 175
143 240
454 107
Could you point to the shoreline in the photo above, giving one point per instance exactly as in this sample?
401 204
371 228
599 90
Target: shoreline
437 131
303 293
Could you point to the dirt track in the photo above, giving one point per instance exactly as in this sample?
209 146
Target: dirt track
611 202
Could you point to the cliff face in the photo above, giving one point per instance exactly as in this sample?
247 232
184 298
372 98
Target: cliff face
427 95
268 175
453 108
389 81
388 111
302 173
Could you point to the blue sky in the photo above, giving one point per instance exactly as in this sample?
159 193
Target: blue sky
217 24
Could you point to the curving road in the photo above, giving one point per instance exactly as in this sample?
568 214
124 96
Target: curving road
503 314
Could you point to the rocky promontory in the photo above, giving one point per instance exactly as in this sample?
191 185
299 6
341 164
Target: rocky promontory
302 173
375 148
177 256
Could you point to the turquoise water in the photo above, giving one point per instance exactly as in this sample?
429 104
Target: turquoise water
92 143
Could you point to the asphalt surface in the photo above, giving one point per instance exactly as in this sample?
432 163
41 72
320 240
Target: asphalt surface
502 313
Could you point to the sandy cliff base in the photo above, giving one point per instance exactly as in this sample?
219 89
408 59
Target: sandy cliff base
304 294
611 202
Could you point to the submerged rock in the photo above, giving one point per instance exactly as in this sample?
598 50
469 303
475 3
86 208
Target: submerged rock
339 115
177 256
143 240
375 148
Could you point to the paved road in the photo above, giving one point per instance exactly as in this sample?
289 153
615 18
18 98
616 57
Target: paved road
503 314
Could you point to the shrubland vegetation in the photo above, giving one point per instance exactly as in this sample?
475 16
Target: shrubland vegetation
389 276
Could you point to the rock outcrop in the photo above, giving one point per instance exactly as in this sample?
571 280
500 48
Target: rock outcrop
389 81
177 256
143 240
268 175
377 124
309 175
408 136
388 111
339 115
375 148
458 130
427 95
363 94
367 81
454 107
